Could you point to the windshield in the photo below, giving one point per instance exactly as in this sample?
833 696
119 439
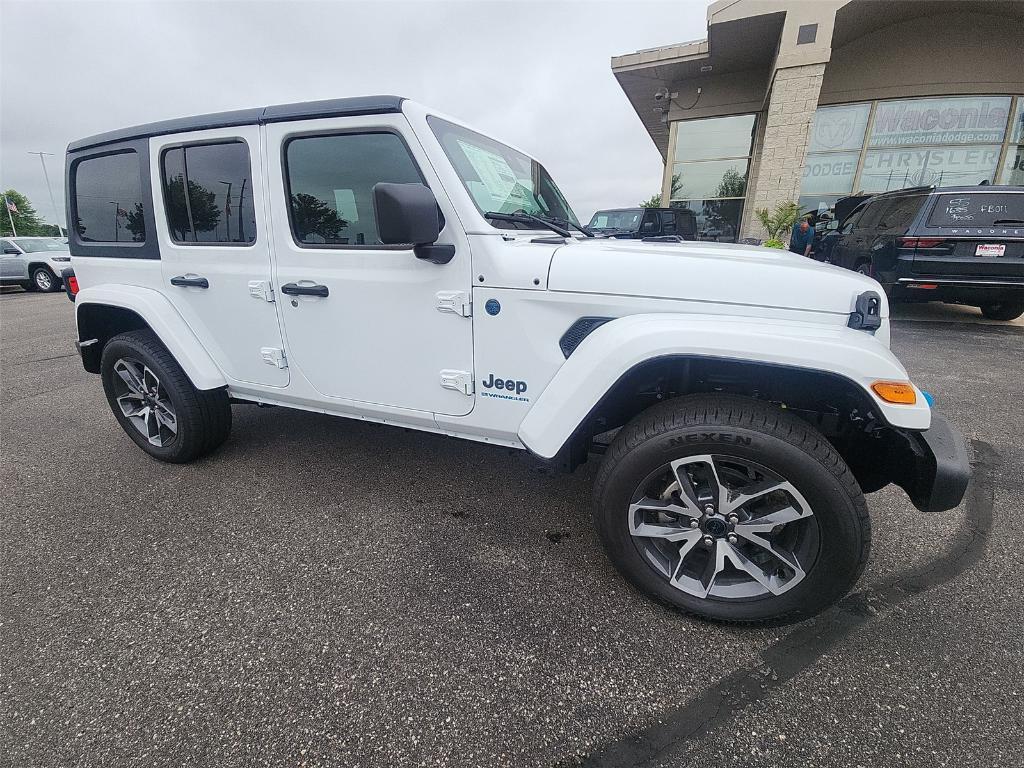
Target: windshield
498 178
627 220
35 246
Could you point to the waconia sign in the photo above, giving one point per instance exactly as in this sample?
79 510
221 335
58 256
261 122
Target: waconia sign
974 120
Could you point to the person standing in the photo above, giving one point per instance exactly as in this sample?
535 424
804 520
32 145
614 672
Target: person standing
802 238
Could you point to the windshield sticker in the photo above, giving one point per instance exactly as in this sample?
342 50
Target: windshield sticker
505 191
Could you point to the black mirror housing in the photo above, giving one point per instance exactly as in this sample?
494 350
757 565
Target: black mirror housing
406 214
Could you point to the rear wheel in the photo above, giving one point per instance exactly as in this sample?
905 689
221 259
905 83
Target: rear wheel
731 509
44 280
156 404
1003 310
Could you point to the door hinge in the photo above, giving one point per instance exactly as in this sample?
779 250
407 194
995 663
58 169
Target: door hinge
458 302
261 289
461 381
274 356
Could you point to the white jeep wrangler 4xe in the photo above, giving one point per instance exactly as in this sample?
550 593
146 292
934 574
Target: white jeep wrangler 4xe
369 258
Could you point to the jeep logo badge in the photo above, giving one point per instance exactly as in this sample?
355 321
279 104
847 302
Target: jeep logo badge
511 385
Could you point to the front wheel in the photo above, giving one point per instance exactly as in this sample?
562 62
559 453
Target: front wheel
731 509
156 404
1003 310
44 280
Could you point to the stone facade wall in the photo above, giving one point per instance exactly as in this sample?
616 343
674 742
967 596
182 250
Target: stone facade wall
777 175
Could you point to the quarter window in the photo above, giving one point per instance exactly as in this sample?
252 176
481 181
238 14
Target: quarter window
330 184
108 199
208 193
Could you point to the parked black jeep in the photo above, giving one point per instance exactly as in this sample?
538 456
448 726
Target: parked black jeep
640 223
963 245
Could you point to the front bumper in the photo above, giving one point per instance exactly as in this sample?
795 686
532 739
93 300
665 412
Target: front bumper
932 466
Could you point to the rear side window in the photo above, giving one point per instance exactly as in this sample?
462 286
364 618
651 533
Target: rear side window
330 184
108 199
207 190
668 222
973 209
898 215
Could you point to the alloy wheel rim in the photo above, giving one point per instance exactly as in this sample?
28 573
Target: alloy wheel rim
144 402
43 280
723 527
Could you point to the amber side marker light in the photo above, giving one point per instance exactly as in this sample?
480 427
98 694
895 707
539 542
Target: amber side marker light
899 392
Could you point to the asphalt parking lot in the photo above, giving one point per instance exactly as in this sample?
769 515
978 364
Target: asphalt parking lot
327 592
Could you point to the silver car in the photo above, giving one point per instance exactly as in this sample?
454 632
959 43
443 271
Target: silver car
35 263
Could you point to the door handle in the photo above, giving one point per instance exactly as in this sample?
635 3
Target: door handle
294 289
190 282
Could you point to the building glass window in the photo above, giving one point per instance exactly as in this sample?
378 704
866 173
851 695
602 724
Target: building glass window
108 199
911 142
709 172
1013 166
208 193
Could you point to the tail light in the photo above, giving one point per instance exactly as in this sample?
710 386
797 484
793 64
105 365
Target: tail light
921 242
73 284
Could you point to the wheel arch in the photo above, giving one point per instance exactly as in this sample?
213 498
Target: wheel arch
34 265
103 312
820 373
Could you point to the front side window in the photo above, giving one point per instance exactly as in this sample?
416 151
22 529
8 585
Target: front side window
109 205
499 178
208 193
330 184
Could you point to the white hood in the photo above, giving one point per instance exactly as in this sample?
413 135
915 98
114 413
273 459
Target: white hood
712 272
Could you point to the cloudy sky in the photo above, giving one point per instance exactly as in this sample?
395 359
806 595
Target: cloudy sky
534 74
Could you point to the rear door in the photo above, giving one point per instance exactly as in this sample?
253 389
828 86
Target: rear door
972 234
215 247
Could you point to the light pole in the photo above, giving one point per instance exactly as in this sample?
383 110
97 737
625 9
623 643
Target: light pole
48 189
117 224
227 210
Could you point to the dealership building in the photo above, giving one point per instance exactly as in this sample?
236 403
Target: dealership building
813 101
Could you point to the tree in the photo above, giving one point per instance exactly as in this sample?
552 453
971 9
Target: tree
778 222
655 200
135 223
205 213
314 217
26 220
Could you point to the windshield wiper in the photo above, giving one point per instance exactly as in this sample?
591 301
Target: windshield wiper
567 224
522 217
1008 221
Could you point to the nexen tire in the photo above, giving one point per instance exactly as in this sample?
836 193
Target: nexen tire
745 431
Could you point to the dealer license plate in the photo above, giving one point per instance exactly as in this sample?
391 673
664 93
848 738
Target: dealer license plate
990 249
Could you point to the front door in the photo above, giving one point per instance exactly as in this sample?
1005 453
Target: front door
13 264
375 334
215 248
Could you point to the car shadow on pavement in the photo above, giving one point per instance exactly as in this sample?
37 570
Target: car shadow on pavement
717 706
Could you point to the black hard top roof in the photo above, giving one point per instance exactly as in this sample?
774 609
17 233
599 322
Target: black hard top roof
357 105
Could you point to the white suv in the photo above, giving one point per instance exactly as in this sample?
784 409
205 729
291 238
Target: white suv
372 259
35 263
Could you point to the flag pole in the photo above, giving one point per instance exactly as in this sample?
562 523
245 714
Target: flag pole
10 217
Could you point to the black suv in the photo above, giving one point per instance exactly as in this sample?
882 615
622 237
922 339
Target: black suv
963 245
640 223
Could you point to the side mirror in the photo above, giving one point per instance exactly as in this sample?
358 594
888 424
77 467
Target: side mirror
12 251
407 214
